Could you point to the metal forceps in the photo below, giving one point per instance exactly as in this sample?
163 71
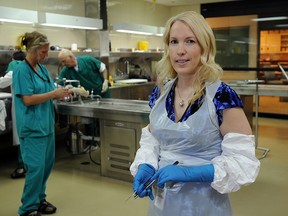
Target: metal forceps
135 195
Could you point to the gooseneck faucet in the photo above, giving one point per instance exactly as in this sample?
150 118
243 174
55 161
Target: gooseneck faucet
127 63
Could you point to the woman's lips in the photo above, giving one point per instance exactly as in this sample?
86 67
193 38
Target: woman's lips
181 61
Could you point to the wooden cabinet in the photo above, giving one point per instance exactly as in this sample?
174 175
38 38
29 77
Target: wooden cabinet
270 41
274 41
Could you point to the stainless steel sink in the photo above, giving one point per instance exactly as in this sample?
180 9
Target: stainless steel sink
132 105
118 104
105 108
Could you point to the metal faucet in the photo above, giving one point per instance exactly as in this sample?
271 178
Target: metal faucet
66 81
98 97
92 96
72 81
60 80
127 63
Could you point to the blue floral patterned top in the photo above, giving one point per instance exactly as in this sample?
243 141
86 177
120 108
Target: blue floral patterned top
225 98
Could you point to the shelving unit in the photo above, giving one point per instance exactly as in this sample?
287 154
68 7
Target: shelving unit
284 43
274 41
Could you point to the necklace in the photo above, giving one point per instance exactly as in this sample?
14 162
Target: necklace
182 101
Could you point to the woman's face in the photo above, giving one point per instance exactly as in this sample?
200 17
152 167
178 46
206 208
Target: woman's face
184 49
42 52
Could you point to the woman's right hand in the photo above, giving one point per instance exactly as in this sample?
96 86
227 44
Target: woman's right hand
142 178
61 93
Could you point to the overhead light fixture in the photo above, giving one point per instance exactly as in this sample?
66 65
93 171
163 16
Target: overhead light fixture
16 15
160 31
221 40
66 21
270 18
282 25
135 28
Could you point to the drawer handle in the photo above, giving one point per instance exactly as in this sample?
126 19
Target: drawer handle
119 124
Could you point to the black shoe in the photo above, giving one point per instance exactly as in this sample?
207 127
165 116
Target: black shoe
19 172
32 213
46 207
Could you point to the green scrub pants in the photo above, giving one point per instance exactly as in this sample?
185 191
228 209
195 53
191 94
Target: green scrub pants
38 155
20 160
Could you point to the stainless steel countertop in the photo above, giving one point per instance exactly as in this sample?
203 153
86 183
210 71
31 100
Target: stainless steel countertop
121 85
120 109
263 89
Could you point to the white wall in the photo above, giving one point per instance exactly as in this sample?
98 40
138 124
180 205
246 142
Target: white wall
131 11
57 36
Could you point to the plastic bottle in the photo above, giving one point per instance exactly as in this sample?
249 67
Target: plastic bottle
111 80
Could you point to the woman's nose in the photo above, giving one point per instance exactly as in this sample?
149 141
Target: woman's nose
181 49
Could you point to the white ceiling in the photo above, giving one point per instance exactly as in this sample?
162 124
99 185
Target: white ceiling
184 2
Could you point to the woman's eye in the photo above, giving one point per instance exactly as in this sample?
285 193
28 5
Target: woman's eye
190 41
173 41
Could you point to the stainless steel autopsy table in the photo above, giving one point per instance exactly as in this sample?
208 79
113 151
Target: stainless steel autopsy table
121 122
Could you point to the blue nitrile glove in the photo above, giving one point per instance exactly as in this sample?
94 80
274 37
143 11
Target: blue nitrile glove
142 178
172 173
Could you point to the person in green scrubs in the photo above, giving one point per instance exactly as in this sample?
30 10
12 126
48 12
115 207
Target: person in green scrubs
93 76
33 96
91 72
6 81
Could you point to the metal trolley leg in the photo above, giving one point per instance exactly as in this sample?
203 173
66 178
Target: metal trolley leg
265 150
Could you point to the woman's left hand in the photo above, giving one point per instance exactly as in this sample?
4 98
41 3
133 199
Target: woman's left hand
173 173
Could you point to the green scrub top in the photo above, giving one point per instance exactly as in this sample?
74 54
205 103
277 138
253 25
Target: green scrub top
35 120
12 65
88 74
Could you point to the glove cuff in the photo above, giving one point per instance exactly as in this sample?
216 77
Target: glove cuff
204 173
147 167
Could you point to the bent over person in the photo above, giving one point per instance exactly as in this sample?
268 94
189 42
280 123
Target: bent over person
93 76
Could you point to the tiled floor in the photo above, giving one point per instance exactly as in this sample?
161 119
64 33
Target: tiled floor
78 189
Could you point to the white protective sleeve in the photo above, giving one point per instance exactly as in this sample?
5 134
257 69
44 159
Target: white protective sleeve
6 80
237 165
102 67
3 115
147 153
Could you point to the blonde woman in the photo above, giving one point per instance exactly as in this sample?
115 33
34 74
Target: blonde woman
196 122
34 91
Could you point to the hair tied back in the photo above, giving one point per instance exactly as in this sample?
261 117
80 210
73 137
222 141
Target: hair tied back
24 41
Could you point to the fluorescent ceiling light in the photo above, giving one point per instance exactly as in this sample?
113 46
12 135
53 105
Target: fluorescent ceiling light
282 25
66 21
221 40
160 31
270 18
240 42
16 15
135 28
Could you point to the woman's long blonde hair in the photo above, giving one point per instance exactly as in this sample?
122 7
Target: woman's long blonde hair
209 72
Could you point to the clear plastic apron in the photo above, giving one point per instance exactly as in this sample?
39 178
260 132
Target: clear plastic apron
192 142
